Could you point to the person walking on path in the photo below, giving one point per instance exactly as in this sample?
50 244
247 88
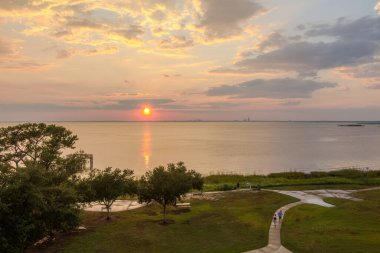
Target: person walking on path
275 220
279 214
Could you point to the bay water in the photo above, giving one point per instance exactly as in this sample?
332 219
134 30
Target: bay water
228 147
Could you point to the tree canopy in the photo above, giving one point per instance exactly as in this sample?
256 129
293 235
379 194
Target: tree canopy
167 185
32 206
37 193
105 186
35 143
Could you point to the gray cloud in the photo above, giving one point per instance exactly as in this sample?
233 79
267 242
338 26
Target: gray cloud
223 18
375 86
368 71
271 42
365 28
274 40
307 57
301 27
356 42
273 88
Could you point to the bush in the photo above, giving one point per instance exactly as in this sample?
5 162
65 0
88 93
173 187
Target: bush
225 187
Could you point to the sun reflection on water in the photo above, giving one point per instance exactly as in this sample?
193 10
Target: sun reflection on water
146 145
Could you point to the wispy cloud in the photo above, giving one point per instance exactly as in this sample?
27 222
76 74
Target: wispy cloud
11 58
369 72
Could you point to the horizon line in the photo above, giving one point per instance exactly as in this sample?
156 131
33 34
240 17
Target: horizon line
192 121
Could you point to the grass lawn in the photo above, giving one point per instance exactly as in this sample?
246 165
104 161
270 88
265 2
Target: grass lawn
349 227
235 222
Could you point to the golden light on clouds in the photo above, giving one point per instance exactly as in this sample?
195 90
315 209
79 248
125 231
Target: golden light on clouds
377 7
186 59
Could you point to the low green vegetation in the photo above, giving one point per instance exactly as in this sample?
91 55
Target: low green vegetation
232 222
351 227
345 178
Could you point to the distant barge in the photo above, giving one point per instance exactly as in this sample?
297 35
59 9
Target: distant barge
352 125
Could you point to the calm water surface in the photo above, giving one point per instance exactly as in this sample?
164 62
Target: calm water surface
243 147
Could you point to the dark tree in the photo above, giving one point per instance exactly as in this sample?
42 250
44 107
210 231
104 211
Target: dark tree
37 193
197 180
105 186
31 207
33 143
167 185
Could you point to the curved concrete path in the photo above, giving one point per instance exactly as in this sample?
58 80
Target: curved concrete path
274 241
118 206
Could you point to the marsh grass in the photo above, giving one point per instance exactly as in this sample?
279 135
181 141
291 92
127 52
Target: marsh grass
343 179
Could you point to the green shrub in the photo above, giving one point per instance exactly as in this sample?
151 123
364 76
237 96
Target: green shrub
225 187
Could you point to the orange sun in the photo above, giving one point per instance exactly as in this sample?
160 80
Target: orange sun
147 111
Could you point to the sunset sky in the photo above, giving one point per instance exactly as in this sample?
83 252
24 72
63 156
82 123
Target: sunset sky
189 60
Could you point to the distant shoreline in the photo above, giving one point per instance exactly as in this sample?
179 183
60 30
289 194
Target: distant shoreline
374 122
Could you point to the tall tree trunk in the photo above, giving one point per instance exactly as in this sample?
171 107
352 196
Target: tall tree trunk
164 213
108 213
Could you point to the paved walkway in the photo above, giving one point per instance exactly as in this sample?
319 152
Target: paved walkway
118 206
274 241
306 197
367 189
316 196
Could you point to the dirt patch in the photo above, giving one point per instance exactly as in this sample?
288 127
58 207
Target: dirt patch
166 223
